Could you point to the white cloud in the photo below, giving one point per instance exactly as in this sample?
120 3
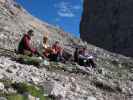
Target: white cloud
66 14
66 9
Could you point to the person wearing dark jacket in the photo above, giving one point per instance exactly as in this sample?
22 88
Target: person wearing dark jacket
24 46
85 59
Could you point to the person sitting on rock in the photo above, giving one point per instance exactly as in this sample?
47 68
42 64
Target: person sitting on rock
24 46
85 59
56 54
47 50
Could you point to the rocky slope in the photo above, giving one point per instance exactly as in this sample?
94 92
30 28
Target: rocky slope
108 24
111 80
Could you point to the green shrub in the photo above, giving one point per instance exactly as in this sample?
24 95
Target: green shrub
30 89
16 97
28 60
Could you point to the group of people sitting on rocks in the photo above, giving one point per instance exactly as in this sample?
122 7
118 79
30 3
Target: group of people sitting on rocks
54 52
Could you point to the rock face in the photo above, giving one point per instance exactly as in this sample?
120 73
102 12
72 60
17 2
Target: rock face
108 24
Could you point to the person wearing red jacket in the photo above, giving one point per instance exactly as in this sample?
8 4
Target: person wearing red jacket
56 54
24 46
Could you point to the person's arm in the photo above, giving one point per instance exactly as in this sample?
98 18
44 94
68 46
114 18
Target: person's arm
82 57
54 51
60 50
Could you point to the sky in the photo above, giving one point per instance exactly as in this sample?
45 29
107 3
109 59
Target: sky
62 13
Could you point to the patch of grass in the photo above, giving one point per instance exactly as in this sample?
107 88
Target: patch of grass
23 88
16 97
31 89
28 60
